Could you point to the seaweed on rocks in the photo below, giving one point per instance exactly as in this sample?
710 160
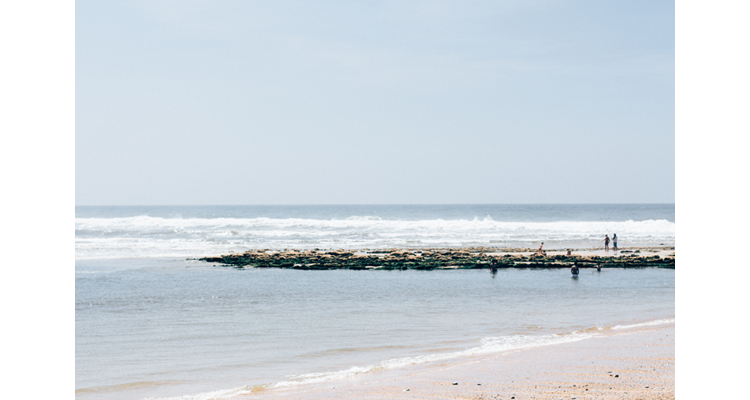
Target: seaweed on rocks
431 259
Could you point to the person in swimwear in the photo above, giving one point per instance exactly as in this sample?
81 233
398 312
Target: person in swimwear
614 242
574 269
540 251
606 242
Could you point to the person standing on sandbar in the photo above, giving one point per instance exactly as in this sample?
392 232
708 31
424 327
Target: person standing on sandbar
606 242
614 242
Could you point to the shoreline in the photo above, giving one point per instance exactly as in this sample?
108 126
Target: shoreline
637 365
448 258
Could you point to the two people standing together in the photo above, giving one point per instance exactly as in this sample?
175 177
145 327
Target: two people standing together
606 245
614 242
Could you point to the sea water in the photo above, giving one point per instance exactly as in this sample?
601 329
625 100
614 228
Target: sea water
153 322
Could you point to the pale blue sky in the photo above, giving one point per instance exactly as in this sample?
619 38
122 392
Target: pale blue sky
240 102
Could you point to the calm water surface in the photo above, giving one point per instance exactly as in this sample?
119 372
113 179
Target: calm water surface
179 327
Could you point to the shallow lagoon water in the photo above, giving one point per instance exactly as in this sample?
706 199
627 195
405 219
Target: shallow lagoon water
171 328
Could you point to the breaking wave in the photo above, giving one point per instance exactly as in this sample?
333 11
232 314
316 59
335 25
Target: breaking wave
146 236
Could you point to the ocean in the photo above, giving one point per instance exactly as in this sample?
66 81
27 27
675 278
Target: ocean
153 322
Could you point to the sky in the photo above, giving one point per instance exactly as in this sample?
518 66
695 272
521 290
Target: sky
381 102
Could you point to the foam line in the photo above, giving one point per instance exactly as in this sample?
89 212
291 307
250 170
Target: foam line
488 345
145 236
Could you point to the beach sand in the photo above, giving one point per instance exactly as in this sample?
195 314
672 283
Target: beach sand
615 365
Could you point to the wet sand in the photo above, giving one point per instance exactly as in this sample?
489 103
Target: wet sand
633 364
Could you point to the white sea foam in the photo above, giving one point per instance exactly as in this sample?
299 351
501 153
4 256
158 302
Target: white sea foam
488 345
146 224
145 236
649 323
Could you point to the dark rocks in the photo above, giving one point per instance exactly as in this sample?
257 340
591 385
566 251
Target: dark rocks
396 259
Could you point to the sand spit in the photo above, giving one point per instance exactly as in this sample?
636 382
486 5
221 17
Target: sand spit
452 258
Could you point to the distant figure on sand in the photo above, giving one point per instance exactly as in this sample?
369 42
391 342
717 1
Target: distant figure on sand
614 242
540 251
568 252
606 242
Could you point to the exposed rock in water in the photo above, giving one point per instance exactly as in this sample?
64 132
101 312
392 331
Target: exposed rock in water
429 259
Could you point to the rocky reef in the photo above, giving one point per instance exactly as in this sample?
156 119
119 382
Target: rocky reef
430 259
